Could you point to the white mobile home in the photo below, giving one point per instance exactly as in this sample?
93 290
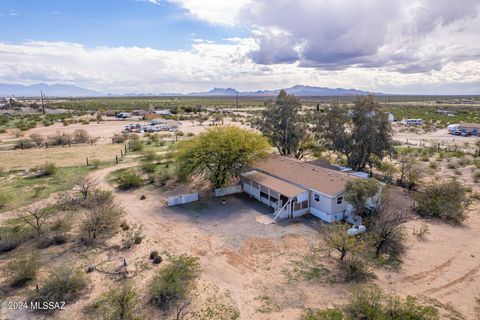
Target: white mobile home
293 188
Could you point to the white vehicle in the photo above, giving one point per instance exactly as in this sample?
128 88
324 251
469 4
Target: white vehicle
415 122
452 128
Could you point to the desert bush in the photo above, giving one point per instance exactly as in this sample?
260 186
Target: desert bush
3 200
59 139
475 177
13 234
129 180
35 217
443 200
22 268
100 217
132 236
327 314
121 303
46 169
119 138
162 177
173 283
38 139
81 136
421 233
25 144
374 304
62 284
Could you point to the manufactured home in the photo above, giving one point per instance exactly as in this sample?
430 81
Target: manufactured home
294 188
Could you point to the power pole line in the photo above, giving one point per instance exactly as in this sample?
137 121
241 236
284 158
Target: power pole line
43 104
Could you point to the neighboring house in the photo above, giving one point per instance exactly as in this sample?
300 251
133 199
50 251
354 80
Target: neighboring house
164 112
294 188
472 128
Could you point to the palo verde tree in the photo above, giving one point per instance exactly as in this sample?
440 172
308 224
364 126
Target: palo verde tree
362 134
219 154
284 126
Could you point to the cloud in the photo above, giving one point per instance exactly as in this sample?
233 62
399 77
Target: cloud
409 36
206 65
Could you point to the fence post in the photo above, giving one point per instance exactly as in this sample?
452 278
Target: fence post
116 159
125 149
121 153
46 144
112 141
86 160
21 145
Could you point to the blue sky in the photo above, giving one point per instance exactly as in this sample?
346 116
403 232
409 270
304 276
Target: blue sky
107 23
126 46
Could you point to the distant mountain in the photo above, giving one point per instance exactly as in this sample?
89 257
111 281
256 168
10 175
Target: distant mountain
54 90
298 90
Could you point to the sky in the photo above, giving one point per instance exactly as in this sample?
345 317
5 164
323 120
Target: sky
160 46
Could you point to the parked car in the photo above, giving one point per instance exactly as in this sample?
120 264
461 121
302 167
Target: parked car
466 134
456 133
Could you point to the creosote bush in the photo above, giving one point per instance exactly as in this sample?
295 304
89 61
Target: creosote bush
445 200
120 303
63 284
129 180
22 268
173 283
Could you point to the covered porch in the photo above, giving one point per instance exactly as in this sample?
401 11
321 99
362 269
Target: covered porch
287 200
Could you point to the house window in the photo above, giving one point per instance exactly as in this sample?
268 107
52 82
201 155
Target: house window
316 197
339 200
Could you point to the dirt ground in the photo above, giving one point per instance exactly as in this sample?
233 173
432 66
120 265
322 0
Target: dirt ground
440 136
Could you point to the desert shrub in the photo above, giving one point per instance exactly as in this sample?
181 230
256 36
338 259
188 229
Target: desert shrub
132 236
47 169
136 145
124 225
59 138
3 200
433 165
25 144
100 218
38 139
421 233
353 268
13 234
62 284
173 282
153 254
374 304
119 138
81 136
162 177
443 200
327 314
129 180
475 177
121 303
22 268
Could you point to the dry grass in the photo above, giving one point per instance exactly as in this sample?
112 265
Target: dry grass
67 156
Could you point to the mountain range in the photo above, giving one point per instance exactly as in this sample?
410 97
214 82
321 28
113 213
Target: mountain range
60 90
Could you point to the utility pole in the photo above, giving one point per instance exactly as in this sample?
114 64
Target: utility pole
43 104
236 99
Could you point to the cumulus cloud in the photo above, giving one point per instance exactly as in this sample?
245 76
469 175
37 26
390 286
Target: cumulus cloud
409 36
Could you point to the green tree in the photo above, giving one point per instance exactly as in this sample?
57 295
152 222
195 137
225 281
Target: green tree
443 200
282 123
358 191
120 303
173 283
360 134
219 154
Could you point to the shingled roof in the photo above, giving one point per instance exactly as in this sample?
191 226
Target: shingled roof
304 175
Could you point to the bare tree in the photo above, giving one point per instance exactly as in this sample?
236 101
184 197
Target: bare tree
387 227
36 217
101 216
86 185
